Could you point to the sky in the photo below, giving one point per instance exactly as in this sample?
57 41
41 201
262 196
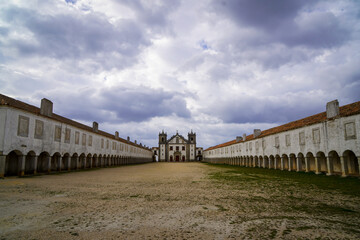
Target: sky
218 67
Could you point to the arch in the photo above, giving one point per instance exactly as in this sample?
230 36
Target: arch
100 160
261 161
74 161
266 161
334 163
322 164
94 161
30 160
88 161
310 159
55 160
251 161
82 159
351 162
285 160
301 164
43 162
12 163
65 162
277 162
271 162
292 162
256 161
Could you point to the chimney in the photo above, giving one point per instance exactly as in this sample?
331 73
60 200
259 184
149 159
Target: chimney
332 109
128 139
257 133
135 141
46 107
95 126
238 139
244 136
116 135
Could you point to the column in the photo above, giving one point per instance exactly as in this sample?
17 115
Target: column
344 167
60 163
282 163
307 164
269 166
35 164
49 163
329 166
275 163
2 165
21 165
298 164
69 163
290 163
317 166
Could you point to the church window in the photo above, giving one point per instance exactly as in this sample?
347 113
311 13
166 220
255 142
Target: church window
171 148
177 148
183 148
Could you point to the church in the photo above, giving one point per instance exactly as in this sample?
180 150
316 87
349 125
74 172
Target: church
177 148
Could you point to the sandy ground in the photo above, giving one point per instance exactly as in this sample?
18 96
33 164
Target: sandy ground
159 201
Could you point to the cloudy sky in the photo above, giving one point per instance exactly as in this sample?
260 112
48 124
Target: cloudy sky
219 67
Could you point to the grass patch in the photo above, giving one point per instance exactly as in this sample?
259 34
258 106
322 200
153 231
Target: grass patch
221 208
237 174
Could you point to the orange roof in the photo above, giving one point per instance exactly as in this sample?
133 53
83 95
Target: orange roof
347 110
7 101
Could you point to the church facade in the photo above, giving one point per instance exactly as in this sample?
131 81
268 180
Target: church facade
177 148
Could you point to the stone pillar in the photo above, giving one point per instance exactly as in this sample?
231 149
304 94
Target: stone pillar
290 164
275 163
21 165
49 164
69 163
298 164
282 163
344 167
2 165
329 166
35 164
317 166
307 164
60 163
269 165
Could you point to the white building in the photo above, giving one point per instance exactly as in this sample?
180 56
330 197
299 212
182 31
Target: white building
328 142
177 148
34 140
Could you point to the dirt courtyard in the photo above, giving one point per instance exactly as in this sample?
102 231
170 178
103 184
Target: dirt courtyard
175 201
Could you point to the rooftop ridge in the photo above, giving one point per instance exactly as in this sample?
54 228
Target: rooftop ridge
346 110
8 101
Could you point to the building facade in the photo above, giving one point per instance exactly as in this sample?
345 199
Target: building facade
177 148
328 142
36 140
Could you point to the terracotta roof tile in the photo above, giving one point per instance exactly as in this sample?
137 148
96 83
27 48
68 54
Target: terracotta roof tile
7 101
346 110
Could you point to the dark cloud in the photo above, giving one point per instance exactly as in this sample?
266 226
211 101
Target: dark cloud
293 23
77 37
143 103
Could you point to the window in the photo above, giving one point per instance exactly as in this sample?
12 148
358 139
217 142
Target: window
316 135
23 127
102 143
83 139
39 129
77 137
277 143
302 138
90 140
107 144
57 135
67 135
171 148
287 140
183 148
177 148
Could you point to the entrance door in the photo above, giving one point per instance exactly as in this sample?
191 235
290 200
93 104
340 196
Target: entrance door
177 158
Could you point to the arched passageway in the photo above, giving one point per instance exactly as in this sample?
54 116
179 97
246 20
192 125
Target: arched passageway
30 163
301 164
88 161
285 160
65 162
322 164
351 163
271 161
74 161
12 163
266 162
292 162
277 162
311 162
335 163
43 163
55 160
